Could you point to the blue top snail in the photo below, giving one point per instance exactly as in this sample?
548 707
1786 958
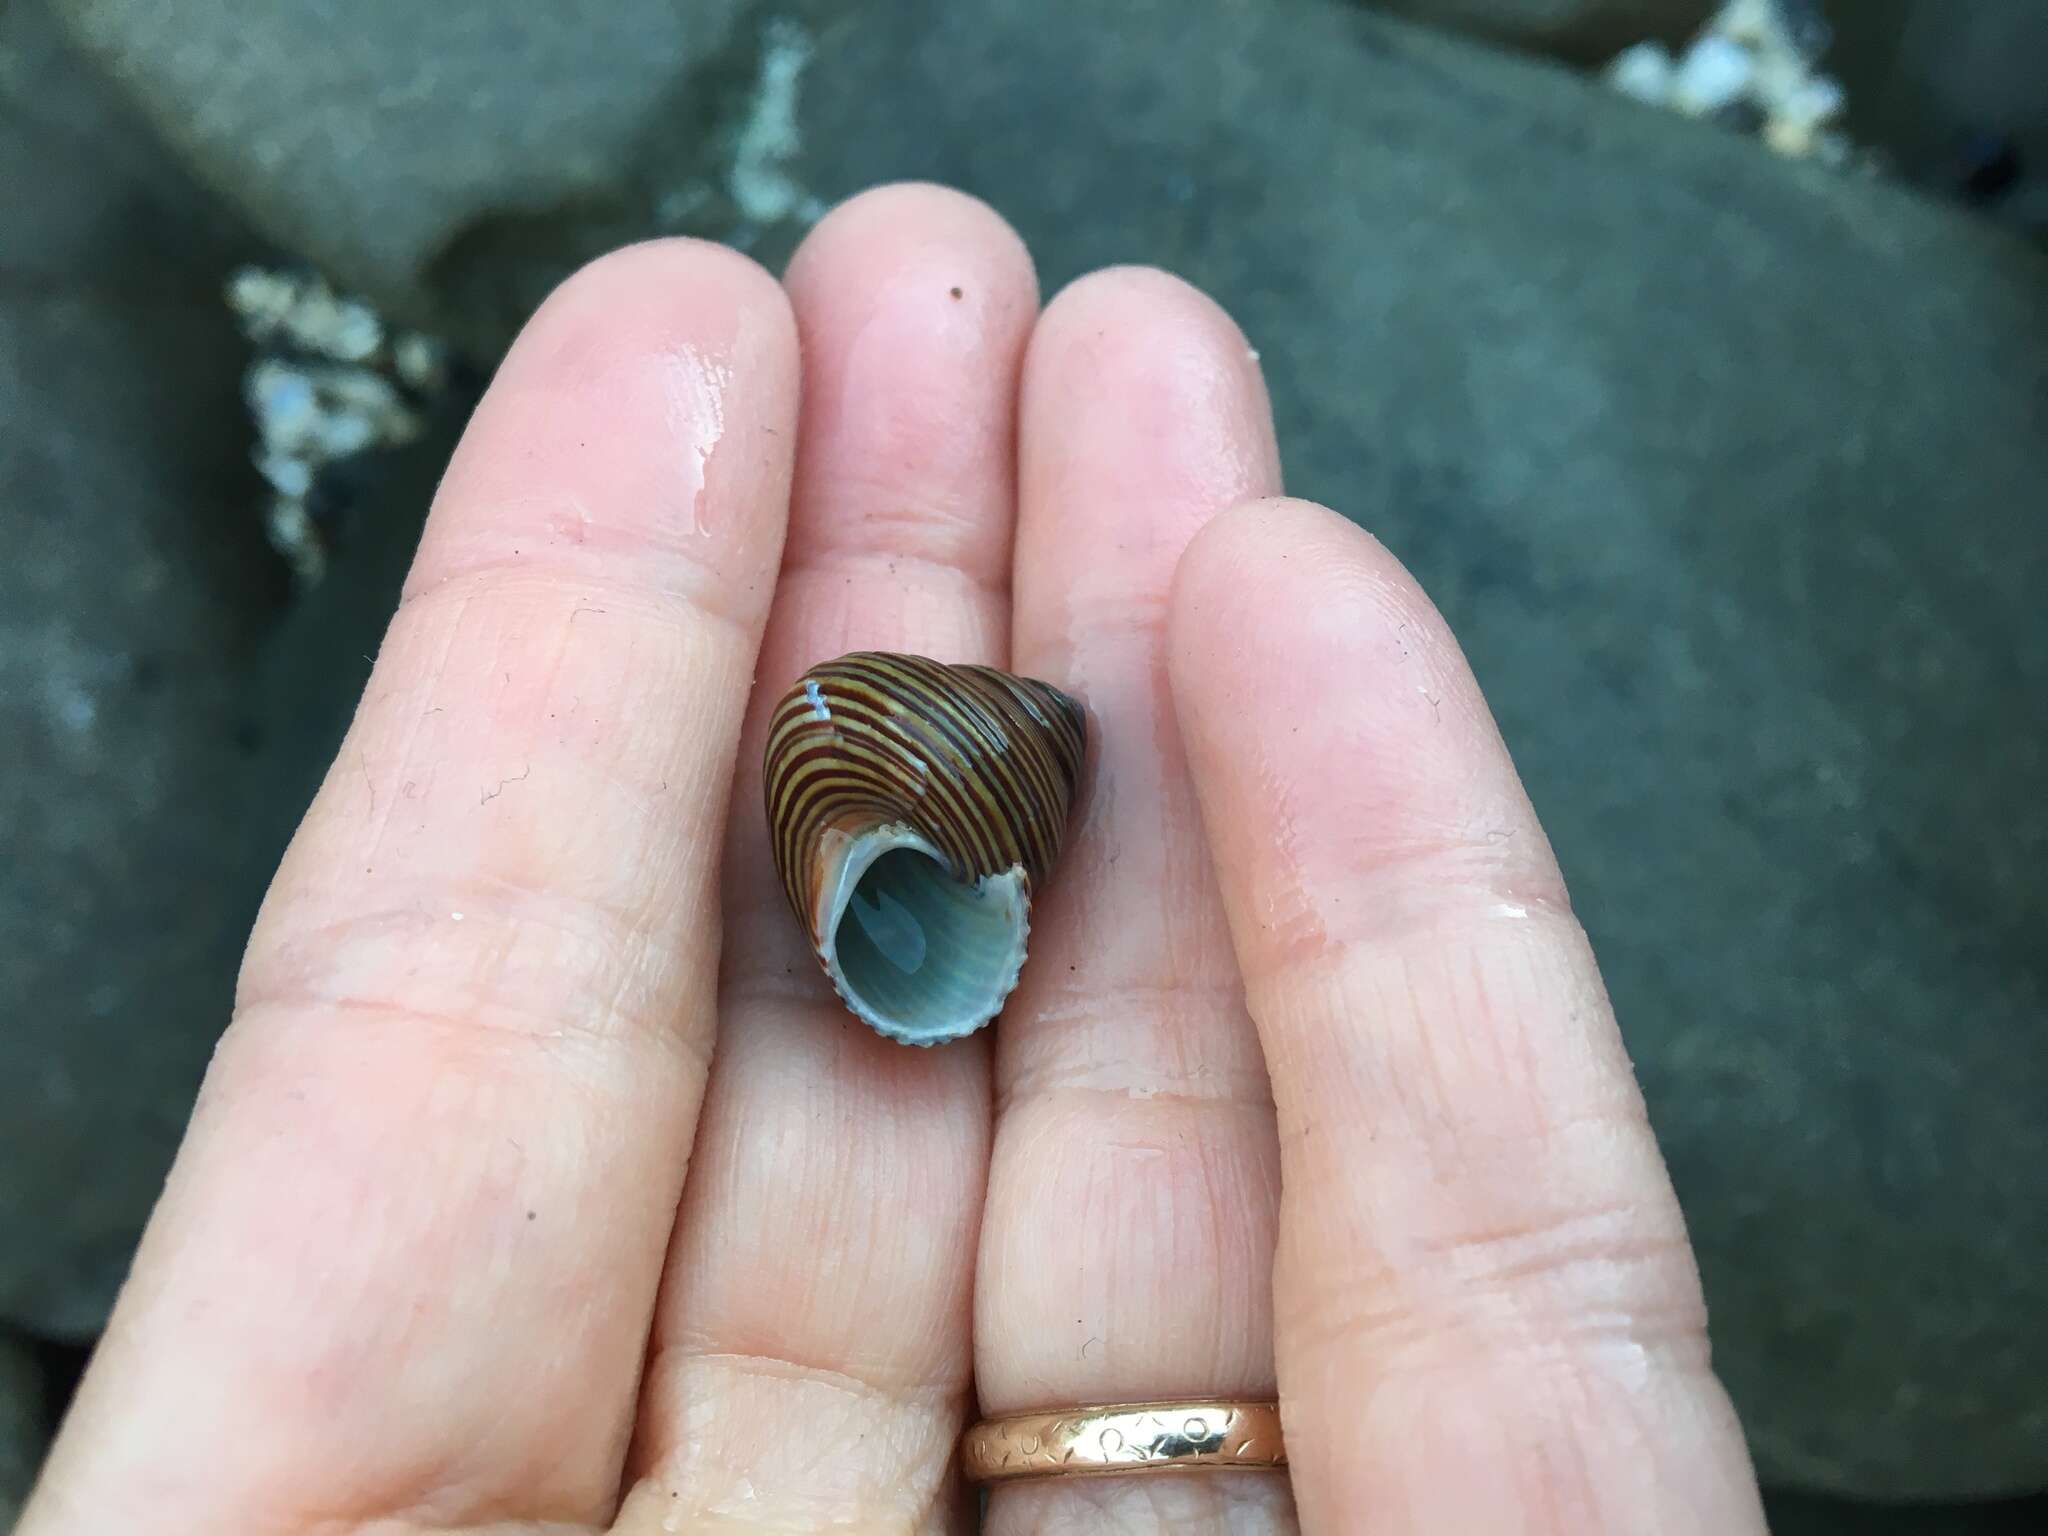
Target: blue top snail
913 806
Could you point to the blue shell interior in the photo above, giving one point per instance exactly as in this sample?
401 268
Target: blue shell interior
918 955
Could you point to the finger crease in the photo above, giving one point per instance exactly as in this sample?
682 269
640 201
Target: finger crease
700 591
866 564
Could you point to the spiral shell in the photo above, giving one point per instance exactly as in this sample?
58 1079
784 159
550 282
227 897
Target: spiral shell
912 808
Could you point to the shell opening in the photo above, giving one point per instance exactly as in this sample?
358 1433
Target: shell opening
917 954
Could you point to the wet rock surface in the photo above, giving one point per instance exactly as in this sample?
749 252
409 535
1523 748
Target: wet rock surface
1954 94
23 1426
369 136
133 594
165 707
1725 469
1806 1514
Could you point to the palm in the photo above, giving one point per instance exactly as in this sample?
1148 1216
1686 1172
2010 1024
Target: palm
430 1257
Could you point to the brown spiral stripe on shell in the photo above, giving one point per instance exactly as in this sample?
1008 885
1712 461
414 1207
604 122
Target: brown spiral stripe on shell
983 764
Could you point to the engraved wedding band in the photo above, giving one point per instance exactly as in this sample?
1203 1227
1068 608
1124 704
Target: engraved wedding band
1126 1437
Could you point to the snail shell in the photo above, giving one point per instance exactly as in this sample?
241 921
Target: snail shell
912 808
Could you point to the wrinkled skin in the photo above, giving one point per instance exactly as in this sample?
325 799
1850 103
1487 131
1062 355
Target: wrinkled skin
1311 1085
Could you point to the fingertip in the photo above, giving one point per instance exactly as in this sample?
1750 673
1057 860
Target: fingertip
1233 559
1251 527
915 304
1335 733
973 256
1281 581
702 272
1267 585
1158 353
1144 412
1140 293
652 295
641 426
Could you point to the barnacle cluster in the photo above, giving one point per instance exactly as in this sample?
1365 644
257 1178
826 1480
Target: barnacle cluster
330 382
1754 66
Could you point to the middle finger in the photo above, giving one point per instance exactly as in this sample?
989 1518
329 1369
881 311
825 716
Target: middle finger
810 1359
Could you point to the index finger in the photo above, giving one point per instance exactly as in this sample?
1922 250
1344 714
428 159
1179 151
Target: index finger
1487 1315
408 1254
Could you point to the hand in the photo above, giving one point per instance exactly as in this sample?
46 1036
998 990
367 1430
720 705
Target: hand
429 1260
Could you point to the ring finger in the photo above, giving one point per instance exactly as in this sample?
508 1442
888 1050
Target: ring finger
1127 1247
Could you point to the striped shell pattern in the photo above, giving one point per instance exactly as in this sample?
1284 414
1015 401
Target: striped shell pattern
913 806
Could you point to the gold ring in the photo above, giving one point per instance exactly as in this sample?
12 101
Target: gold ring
1126 1437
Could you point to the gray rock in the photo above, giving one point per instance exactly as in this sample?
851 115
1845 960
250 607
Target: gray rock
1806 1514
1727 471
133 594
166 713
1936 85
23 1430
368 134
1585 30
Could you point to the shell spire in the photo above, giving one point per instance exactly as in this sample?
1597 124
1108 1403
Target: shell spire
913 807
